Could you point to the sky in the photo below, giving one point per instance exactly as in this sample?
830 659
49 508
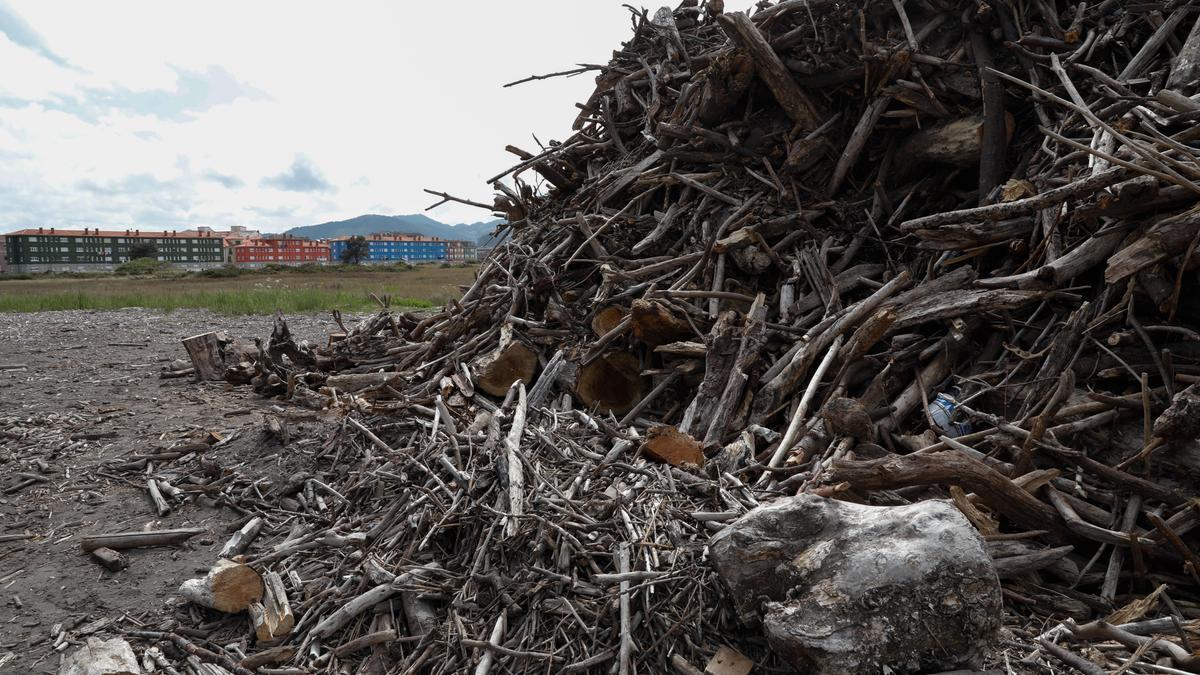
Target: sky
277 114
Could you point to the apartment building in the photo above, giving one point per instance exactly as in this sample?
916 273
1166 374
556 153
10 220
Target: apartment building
390 247
3 256
279 250
459 251
236 236
48 249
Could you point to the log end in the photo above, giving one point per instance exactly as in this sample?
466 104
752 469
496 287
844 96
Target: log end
496 372
612 383
667 444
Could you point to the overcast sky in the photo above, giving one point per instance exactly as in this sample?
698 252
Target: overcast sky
276 114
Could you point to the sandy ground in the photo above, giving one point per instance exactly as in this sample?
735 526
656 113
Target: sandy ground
80 391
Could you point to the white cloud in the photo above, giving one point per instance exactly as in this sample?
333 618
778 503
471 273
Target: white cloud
202 113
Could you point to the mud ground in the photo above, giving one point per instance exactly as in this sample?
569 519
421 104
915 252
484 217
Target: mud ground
80 392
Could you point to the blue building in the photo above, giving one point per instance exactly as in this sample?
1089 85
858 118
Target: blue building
392 247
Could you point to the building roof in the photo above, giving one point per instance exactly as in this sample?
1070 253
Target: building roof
96 232
391 236
281 243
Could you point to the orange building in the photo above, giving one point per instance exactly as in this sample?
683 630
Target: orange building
282 250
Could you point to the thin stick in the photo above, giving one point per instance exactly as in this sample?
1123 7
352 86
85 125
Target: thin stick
793 430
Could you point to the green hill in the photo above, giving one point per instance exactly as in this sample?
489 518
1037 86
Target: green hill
415 223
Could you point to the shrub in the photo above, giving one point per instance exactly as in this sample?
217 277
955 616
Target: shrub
224 272
143 266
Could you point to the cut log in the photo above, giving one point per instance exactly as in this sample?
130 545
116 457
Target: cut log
667 444
205 352
956 142
607 319
228 587
272 618
612 383
112 560
496 372
654 324
125 540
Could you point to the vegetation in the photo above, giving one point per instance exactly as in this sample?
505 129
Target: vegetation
143 249
167 270
256 293
357 250
143 267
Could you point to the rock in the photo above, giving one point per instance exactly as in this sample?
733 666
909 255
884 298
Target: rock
845 588
101 657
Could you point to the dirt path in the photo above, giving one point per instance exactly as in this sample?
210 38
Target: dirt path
88 394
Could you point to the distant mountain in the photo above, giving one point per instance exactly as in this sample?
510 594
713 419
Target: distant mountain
415 223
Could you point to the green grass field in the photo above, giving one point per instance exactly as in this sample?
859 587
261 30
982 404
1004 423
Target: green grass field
258 293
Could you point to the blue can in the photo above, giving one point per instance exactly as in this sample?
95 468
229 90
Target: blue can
942 410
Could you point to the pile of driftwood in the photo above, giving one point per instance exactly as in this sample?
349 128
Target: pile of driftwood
880 252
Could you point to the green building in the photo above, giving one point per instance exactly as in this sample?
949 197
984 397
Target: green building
45 249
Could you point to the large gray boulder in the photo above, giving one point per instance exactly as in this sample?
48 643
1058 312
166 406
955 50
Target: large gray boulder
846 588
101 657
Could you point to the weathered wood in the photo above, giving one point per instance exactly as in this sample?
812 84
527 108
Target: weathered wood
205 352
770 68
112 560
1185 68
360 603
126 540
955 142
272 618
516 469
726 81
719 358
355 382
1166 238
752 343
1020 207
948 467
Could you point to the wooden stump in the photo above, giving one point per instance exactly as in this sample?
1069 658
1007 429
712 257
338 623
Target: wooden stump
205 351
228 587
